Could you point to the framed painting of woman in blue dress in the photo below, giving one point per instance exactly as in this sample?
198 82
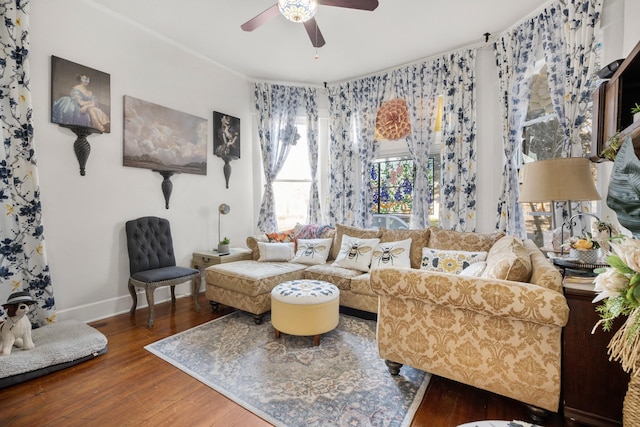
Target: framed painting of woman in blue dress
80 96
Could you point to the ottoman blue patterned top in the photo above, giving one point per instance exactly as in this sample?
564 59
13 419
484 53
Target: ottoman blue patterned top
305 292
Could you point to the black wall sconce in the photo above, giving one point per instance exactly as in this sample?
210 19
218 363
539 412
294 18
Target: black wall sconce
167 185
81 146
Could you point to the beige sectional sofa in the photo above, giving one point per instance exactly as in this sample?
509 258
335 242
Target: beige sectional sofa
499 329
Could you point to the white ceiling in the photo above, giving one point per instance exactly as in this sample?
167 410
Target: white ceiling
357 42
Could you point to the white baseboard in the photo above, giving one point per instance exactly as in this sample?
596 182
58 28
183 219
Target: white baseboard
110 307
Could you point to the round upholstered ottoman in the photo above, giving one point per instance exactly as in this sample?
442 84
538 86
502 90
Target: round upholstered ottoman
305 307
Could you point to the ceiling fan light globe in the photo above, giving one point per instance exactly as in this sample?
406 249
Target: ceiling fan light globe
298 10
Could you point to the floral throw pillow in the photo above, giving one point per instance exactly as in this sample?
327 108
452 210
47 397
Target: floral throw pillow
392 254
281 236
355 253
452 262
312 251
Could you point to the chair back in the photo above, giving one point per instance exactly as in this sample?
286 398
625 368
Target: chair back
149 243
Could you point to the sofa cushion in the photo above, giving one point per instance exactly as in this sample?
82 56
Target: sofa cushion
313 231
419 240
252 277
312 251
462 240
356 253
392 254
508 260
341 277
360 285
362 233
452 262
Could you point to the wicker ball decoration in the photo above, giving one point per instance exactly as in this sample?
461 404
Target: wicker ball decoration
392 121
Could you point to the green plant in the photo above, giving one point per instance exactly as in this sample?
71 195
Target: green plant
635 109
224 241
613 145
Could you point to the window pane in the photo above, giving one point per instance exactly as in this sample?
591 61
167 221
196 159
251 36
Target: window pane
296 166
292 201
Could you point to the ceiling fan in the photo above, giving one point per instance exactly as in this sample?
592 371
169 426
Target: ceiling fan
303 11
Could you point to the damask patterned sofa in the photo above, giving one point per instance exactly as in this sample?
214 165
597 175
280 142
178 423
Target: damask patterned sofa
498 335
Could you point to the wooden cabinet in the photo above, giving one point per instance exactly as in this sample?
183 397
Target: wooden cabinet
612 103
593 387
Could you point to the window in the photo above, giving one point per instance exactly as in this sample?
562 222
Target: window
392 182
542 139
292 185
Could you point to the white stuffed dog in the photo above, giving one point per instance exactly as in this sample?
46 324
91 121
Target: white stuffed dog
17 329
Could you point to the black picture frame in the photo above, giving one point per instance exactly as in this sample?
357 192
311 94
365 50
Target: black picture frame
226 136
80 95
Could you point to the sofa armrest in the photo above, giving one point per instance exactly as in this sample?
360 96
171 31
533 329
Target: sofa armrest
252 243
492 297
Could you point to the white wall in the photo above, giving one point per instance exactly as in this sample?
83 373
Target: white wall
84 216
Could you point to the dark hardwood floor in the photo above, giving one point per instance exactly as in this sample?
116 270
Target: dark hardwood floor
129 386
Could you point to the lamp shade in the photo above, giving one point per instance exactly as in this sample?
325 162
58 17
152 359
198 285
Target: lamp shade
562 179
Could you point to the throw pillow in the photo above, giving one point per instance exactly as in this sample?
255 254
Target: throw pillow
392 254
361 233
474 270
276 251
312 251
355 253
314 231
281 236
449 261
508 260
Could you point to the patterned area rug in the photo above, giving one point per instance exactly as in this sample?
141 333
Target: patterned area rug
289 382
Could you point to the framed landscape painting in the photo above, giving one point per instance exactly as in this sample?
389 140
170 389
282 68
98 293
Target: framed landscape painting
226 136
80 96
160 138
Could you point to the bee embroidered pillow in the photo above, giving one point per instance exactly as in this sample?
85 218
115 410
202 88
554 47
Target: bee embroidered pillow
392 254
355 253
449 261
312 251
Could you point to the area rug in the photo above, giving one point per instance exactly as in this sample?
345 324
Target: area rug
288 381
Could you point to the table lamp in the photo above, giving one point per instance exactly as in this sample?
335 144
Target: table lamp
223 209
566 179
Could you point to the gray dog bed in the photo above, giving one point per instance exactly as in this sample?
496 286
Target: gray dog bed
58 346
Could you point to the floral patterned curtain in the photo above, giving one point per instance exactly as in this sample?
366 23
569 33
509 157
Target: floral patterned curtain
417 85
314 214
23 261
353 108
278 108
342 176
515 57
569 41
459 153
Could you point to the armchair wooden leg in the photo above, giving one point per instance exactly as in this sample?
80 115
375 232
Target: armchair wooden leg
150 302
195 289
173 295
134 297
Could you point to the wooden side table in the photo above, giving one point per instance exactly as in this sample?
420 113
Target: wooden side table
204 259
593 387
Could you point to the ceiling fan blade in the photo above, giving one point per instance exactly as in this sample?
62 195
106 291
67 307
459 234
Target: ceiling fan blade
314 33
261 18
351 4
